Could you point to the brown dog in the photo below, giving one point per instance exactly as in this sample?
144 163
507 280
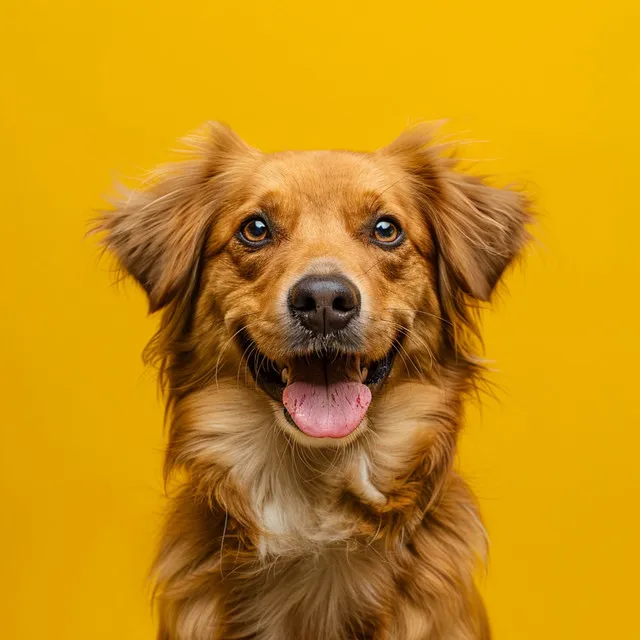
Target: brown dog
316 346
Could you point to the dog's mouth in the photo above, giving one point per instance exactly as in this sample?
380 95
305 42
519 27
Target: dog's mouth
324 395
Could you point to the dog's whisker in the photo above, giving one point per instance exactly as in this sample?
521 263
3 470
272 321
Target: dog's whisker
401 350
250 349
421 312
222 351
373 266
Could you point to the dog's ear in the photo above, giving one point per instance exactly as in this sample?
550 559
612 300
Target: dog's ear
478 229
156 232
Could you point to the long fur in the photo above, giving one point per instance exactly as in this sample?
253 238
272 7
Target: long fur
269 538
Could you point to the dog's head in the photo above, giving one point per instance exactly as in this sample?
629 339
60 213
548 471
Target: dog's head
324 274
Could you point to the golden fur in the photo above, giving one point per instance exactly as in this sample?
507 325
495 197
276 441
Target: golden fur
273 535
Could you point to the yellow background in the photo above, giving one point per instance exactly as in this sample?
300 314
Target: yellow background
95 89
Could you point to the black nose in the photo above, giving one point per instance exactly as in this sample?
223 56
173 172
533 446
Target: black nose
324 304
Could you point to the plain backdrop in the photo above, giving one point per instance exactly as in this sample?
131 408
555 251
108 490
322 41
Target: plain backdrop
95 90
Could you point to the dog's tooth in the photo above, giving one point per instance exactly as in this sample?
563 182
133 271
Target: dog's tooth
285 375
365 373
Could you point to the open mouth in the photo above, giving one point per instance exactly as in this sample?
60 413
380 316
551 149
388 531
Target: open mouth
324 395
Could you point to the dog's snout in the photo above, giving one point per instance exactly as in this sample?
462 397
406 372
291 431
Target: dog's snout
324 304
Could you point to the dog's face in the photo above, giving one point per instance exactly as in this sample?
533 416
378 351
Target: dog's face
324 274
318 272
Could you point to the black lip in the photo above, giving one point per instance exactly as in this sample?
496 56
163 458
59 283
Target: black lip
268 376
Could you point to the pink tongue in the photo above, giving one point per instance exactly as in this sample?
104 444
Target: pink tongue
327 411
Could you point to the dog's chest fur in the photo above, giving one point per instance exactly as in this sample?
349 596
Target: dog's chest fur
314 562
306 544
297 519
314 566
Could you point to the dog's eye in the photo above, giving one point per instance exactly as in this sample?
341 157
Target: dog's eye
254 231
387 232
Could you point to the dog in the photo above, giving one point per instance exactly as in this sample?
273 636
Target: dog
316 345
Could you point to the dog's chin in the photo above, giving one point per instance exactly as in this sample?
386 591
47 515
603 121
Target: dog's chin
319 398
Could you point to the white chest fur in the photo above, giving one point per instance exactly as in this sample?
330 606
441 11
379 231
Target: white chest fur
294 520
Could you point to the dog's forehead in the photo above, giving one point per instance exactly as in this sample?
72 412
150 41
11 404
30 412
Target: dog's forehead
326 178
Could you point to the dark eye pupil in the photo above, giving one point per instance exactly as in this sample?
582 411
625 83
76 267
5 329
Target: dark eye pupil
385 229
257 227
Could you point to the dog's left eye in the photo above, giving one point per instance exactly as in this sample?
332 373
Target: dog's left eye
255 231
387 232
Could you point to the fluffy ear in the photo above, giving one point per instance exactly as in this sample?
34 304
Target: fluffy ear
157 232
479 229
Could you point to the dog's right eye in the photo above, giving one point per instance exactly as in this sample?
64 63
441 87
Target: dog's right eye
255 232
